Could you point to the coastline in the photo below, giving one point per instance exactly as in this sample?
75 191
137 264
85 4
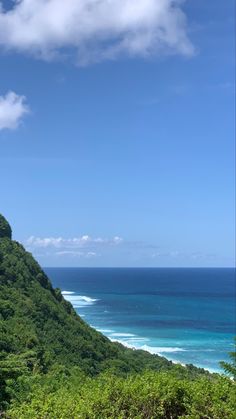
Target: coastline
153 350
125 338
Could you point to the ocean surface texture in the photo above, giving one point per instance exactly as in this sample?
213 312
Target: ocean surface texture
186 315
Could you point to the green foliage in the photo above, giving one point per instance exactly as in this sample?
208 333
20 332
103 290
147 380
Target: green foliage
35 316
230 367
149 395
53 365
11 368
5 228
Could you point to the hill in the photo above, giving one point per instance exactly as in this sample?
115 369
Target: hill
45 347
38 324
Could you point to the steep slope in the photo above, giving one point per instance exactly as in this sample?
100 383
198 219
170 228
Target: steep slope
35 319
41 332
52 364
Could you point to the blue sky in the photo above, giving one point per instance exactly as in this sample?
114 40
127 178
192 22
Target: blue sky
120 151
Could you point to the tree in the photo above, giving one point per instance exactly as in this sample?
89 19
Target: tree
230 367
5 228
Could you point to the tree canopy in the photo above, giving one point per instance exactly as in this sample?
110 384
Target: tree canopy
5 228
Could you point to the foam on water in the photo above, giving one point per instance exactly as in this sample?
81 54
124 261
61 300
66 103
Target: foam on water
185 315
78 301
133 341
137 339
105 330
67 292
154 350
123 334
160 350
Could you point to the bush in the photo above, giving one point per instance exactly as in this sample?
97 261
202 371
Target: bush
151 395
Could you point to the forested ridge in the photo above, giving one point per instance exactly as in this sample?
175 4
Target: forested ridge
53 365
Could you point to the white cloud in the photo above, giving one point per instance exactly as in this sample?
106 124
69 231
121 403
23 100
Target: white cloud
76 254
117 240
71 243
12 109
78 247
95 29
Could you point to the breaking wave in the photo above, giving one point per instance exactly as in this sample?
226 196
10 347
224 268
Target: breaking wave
78 300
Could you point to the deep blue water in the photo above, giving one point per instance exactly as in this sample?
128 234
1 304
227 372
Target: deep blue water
186 315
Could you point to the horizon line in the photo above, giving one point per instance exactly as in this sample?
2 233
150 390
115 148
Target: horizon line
139 267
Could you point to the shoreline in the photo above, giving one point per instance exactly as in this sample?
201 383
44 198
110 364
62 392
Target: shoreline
152 352
130 340
136 348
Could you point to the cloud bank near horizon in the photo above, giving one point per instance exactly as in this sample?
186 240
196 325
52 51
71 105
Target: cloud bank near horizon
71 243
79 247
85 248
12 109
95 30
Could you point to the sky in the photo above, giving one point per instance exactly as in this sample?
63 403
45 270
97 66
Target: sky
117 131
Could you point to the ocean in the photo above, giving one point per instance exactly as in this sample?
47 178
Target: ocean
186 315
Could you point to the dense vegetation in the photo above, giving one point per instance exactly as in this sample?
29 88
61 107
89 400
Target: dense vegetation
149 395
53 365
230 367
5 228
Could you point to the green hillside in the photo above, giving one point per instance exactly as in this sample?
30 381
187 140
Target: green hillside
49 356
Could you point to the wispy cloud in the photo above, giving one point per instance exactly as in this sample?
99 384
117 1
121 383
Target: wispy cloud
71 243
95 30
12 109
76 247
176 254
99 251
77 254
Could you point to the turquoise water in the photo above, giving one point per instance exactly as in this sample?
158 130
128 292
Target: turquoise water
186 315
